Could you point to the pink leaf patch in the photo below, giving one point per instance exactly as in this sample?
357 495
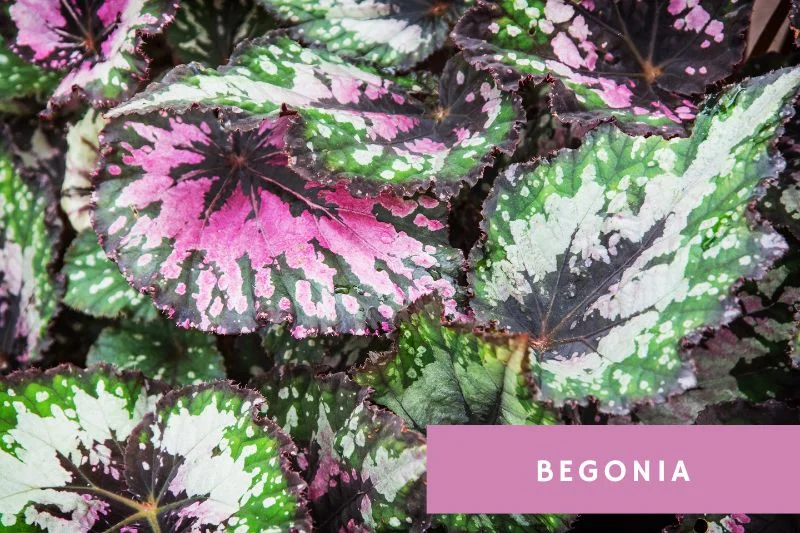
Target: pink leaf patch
95 42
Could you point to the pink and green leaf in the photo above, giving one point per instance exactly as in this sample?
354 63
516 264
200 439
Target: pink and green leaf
20 80
227 238
638 63
96 43
354 123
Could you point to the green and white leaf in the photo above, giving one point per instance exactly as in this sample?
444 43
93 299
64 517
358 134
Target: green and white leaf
96 287
454 374
215 465
388 33
29 292
160 350
62 433
610 254
328 351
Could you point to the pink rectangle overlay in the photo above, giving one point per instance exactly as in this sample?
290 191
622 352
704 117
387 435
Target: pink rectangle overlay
731 469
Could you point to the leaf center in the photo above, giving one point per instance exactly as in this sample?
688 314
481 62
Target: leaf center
650 71
440 113
439 8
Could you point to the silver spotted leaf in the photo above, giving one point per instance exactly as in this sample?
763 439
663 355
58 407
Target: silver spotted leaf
83 152
610 254
29 235
207 31
637 62
393 34
206 458
95 43
365 470
453 374
99 449
747 358
160 350
226 237
354 123
96 287
62 466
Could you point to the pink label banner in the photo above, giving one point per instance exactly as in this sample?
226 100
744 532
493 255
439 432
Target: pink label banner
613 469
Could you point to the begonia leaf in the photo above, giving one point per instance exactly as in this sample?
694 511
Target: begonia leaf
83 151
226 237
29 235
207 31
160 350
98 449
747 358
63 436
610 254
636 62
353 122
212 461
96 287
95 42
364 468
388 33
453 374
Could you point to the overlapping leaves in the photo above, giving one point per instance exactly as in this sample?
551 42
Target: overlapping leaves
207 31
389 33
227 238
96 42
354 122
610 254
637 62
365 469
451 374
98 449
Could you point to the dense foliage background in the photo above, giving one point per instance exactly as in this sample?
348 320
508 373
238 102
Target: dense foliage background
251 249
